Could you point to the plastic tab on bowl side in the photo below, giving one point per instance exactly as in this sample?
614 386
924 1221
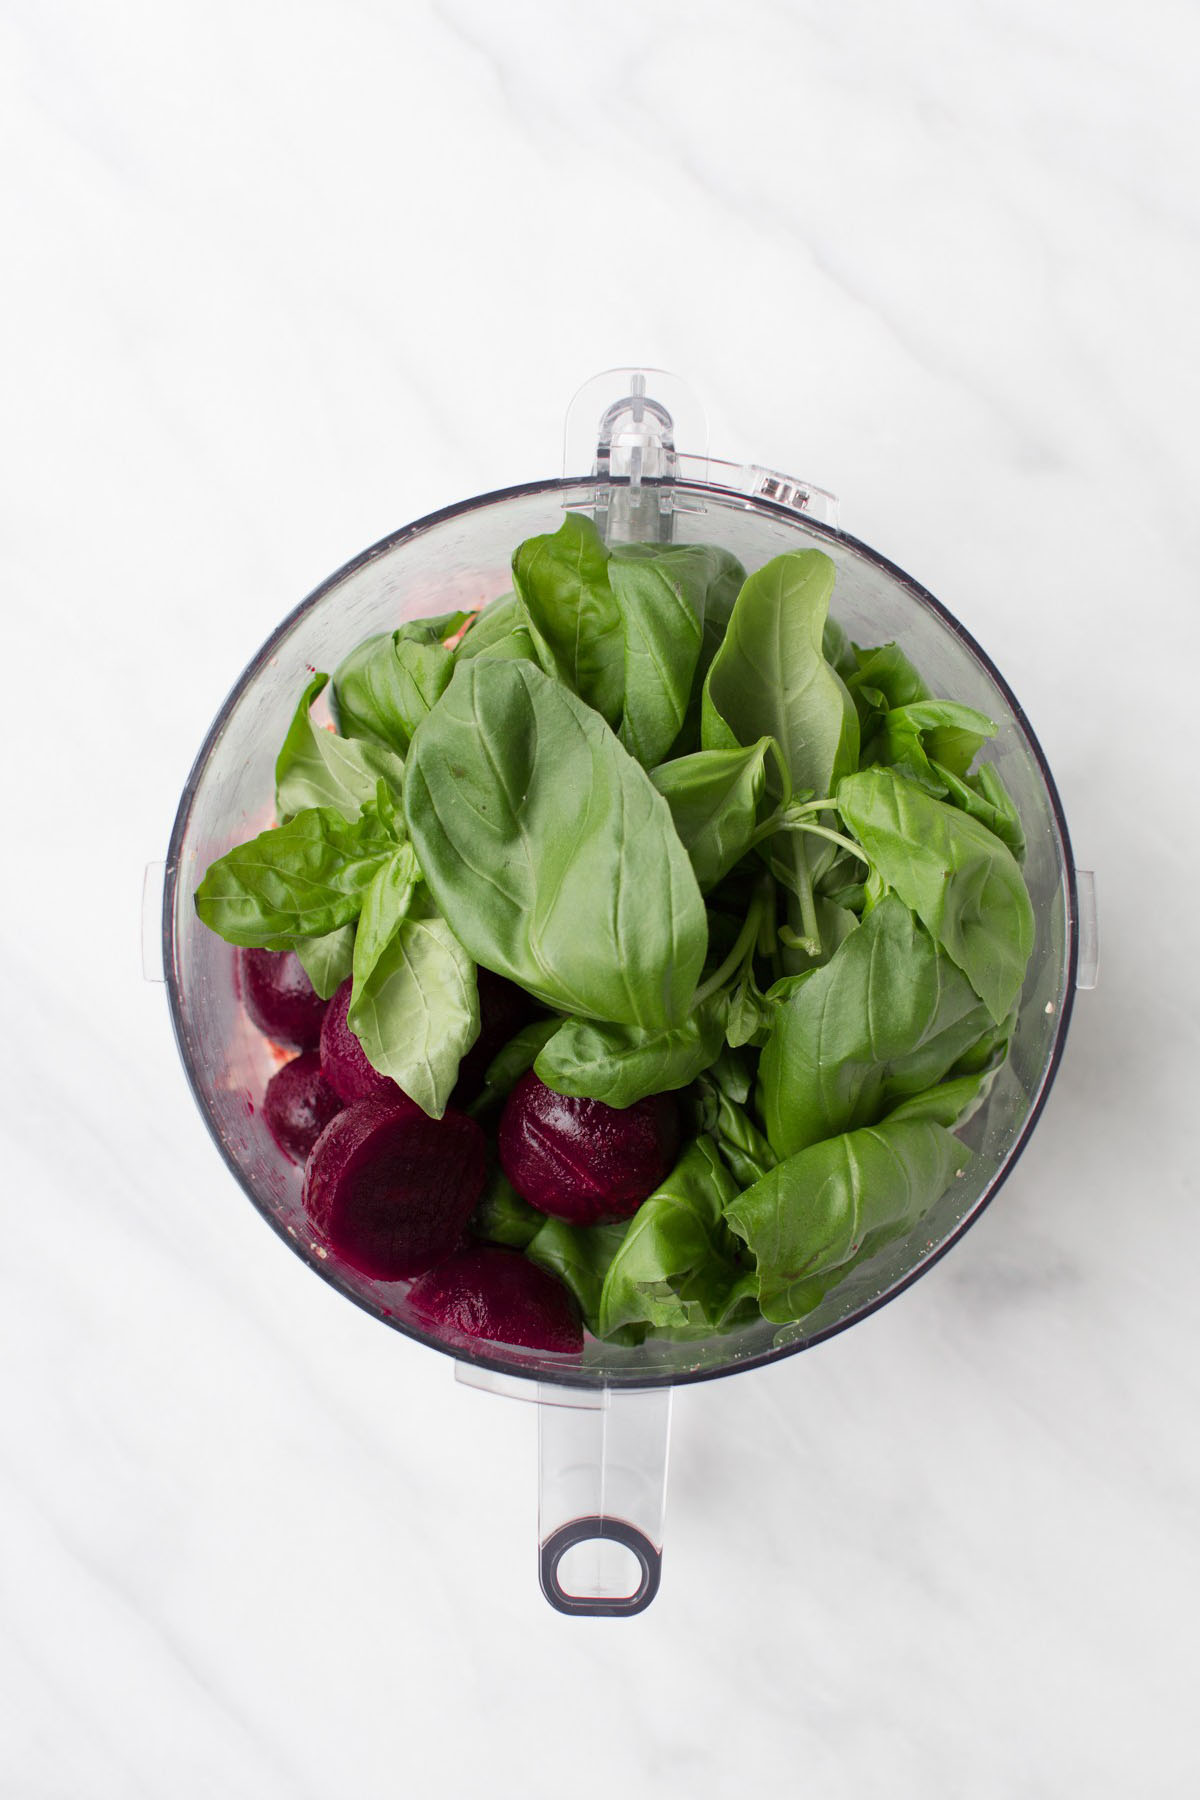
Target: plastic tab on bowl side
1087 971
153 882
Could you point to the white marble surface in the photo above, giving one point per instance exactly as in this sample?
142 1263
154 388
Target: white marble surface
281 277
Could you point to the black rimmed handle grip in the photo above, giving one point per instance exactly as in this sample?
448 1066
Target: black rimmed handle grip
580 1531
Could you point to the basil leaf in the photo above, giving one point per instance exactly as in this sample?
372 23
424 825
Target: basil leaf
726 584
661 593
947 733
327 960
885 674
675 1265
302 880
509 1064
499 631
960 880
949 1103
318 768
416 1012
563 585
989 1051
742 1145
385 687
984 796
899 745
502 1217
385 903
550 851
888 1015
770 677
838 1200
837 649
621 1064
731 1074
580 1255
748 1018
714 797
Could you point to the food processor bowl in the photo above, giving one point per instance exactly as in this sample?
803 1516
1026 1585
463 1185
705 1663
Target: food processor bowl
614 1399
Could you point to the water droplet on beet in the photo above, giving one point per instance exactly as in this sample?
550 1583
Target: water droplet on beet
498 1295
584 1161
344 1062
390 1189
279 997
298 1105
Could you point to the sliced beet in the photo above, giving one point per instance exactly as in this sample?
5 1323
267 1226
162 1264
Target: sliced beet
344 1062
485 1292
299 1104
279 997
581 1160
503 1009
390 1189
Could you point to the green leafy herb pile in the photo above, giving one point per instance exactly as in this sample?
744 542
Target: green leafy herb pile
728 852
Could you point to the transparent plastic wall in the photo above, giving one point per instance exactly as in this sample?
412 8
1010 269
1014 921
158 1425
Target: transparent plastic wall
460 559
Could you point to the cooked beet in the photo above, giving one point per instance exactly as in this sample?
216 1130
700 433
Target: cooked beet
279 997
581 1160
485 1292
344 1061
503 1009
390 1189
299 1104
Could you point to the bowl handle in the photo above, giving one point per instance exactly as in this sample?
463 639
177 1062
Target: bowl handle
602 1496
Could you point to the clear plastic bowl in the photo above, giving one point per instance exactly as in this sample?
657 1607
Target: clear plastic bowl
460 558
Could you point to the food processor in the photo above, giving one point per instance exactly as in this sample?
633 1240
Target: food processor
604 1417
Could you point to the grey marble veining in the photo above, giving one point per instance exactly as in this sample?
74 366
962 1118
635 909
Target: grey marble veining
280 279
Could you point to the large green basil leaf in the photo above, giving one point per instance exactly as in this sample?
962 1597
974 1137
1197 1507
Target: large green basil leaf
385 687
770 678
562 582
580 1255
621 1064
886 1016
301 880
320 768
416 1013
661 594
675 1265
714 797
550 851
499 631
840 1199
327 960
984 796
502 1217
961 881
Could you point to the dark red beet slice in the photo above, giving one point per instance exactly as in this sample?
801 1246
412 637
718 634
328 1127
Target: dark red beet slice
503 1009
344 1061
390 1189
279 997
299 1104
498 1294
581 1160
